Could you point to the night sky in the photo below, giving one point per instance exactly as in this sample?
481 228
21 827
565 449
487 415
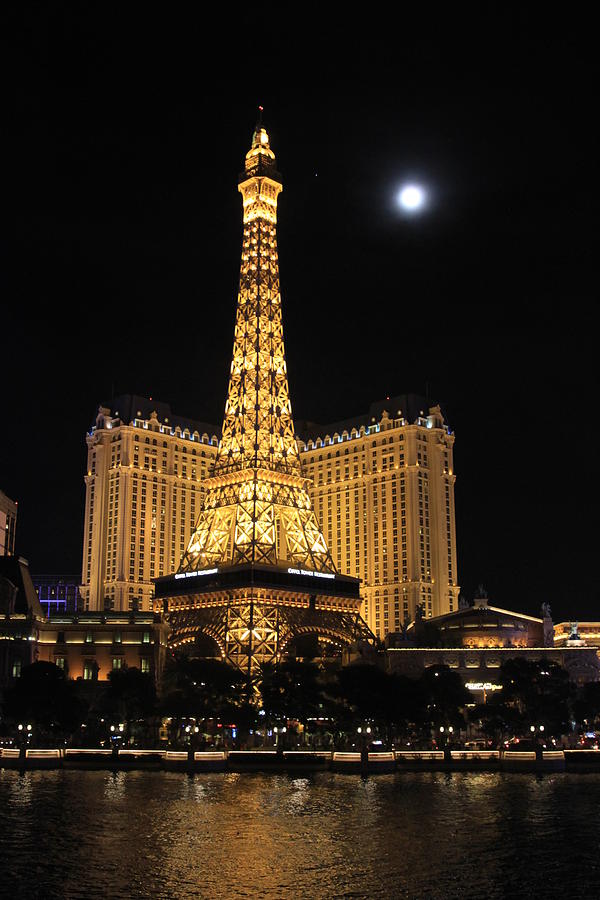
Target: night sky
125 137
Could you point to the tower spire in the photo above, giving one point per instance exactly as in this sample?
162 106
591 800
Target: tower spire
256 507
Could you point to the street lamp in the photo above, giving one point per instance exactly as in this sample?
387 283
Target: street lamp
364 750
444 740
539 746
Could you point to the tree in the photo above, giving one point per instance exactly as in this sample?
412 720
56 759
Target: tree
46 699
495 718
586 707
367 694
402 706
291 690
442 698
536 692
202 688
199 688
130 698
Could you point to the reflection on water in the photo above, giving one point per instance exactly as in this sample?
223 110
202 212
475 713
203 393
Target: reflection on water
434 835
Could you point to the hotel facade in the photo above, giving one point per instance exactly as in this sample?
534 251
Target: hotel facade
381 484
144 490
8 525
383 492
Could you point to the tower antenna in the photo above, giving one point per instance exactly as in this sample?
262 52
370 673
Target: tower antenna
259 120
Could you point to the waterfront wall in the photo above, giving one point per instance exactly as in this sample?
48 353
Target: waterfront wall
261 760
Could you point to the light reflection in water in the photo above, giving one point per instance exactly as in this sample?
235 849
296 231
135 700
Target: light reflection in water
114 787
150 834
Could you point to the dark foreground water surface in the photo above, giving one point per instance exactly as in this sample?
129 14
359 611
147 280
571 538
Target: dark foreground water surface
153 834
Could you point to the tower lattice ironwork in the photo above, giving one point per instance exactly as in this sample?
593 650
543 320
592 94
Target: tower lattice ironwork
257 572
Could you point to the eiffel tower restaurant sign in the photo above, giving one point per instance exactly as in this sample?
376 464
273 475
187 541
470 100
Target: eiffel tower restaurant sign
257 576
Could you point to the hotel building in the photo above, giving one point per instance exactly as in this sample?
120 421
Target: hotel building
382 489
86 645
143 494
383 492
58 593
8 525
475 640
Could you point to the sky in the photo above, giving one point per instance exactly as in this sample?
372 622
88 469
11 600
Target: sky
125 135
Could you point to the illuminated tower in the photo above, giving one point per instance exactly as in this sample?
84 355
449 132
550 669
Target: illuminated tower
257 573
257 508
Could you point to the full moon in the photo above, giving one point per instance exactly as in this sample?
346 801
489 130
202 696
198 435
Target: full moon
412 197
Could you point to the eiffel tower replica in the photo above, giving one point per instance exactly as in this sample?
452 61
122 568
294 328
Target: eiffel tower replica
257 574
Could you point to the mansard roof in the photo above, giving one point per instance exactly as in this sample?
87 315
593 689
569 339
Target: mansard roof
407 406
128 407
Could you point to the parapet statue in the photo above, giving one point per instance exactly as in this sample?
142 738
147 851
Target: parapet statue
546 611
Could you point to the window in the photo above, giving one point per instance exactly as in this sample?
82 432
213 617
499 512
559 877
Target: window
89 637
16 668
60 662
146 637
145 666
117 663
88 670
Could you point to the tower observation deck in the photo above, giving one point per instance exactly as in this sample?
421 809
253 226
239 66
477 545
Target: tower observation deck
257 574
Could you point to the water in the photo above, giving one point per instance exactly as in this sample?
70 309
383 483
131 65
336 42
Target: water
150 834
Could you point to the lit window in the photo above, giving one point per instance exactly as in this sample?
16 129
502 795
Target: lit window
88 670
